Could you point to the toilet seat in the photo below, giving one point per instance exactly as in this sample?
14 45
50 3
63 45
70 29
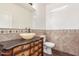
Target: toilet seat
49 44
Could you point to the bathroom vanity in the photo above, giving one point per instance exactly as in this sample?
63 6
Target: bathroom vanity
22 47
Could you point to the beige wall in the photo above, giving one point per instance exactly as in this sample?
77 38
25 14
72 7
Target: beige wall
39 21
62 16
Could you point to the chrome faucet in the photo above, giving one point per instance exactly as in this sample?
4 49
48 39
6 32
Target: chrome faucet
29 30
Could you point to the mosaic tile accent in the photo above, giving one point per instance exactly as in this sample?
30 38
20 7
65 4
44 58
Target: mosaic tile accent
7 31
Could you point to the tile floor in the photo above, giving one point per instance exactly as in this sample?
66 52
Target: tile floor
58 53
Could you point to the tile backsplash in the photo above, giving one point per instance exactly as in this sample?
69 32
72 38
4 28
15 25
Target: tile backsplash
10 33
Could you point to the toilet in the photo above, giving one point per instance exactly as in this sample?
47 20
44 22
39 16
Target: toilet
48 46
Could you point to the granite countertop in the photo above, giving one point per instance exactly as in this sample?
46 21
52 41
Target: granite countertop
6 45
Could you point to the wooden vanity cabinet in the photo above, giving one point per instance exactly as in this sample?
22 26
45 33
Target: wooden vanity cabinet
34 48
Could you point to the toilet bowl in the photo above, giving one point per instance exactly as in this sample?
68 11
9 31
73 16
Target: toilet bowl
48 46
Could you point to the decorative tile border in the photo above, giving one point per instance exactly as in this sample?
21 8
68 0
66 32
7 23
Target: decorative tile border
11 30
14 30
65 30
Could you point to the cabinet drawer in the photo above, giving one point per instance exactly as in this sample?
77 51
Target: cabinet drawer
17 49
40 50
27 52
32 44
20 54
40 41
35 54
24 53
36 48
40 54
6 53
26 46
36 43
40 45
32 50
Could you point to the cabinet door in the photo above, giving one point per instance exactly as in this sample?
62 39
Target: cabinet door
34 48
26 46
36 43
27 52
40 41
40 45
6 53
17 49
35 54
37 48
40 50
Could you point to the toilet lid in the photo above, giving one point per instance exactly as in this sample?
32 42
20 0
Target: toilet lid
49 44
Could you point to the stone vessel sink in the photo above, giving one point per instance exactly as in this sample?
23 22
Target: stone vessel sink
27 36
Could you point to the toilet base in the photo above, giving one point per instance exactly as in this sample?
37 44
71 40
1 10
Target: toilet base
45 54
48 50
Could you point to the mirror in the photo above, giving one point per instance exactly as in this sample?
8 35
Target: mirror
15 15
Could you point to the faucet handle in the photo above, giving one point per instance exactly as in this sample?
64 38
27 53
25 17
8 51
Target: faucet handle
29 30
